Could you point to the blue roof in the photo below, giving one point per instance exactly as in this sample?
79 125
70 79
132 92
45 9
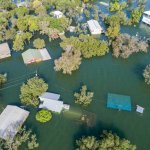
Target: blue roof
121 102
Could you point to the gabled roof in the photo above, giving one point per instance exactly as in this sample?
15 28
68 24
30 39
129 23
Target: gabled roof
4 49
48 95
11 118
31 54
147 12
93 24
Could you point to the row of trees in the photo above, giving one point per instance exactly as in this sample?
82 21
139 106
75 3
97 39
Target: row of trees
107 141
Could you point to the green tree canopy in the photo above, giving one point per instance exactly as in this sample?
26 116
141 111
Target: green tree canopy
43 116
32 90
39 43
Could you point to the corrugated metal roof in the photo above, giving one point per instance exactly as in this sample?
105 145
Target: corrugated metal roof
31 55
4 50
48 95
10 119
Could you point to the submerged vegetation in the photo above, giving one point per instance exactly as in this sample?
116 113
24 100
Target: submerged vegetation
107 140
124 45
23 137
146 74
19 25
3 79
32 90
84 98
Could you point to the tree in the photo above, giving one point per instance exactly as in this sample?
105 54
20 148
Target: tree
136 15
83 98
116 6
124 45
32 90
23 136
146 74
3 79
87 45
68 62
39 43
113 31
43 116
107 141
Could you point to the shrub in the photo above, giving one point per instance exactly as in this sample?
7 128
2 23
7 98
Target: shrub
39 43
43 116
146 74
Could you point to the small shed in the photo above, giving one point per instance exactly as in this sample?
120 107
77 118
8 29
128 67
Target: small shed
120 102
139 109
94 27
34 55
4 51
11 119
50 101
57 14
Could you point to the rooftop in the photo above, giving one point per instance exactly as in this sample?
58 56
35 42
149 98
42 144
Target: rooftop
11 118
120 102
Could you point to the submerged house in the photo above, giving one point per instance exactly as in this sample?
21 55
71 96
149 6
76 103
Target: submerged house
11 119
94 27
146 17
120 102
34 55
51 102
57 14
4 51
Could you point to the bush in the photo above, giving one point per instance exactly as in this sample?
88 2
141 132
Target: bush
146 74
39 43
43 116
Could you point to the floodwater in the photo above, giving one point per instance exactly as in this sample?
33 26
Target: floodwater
101 75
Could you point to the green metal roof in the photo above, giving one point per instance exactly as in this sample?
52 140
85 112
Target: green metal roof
31 54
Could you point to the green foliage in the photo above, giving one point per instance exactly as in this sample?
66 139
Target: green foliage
88 45
83 98
124 45
23 137
113 31
20 39
146 74
39 43
21 11
107 141
3 79
136 15
117 6
43 116
32 90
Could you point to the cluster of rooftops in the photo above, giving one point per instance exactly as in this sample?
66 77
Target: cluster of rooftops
13 117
